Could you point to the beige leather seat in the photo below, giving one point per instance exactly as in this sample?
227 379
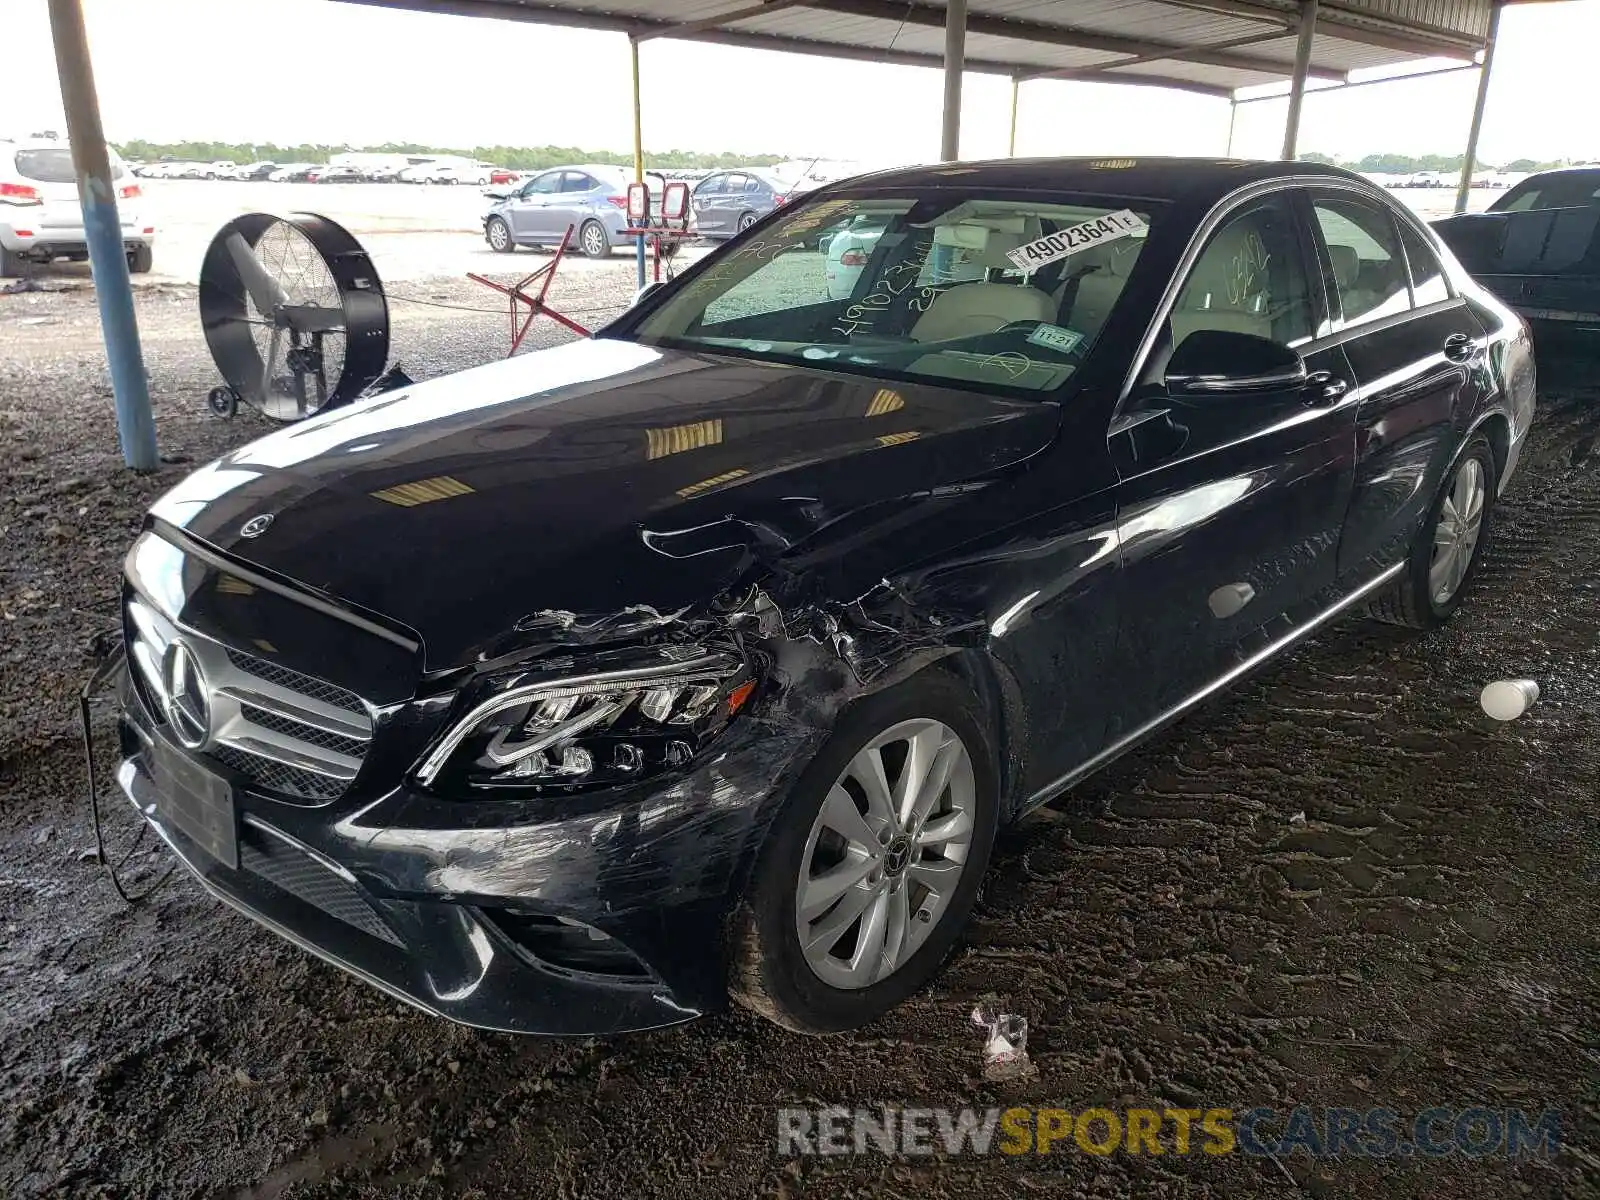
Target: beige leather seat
1228 289
1098 289
973 309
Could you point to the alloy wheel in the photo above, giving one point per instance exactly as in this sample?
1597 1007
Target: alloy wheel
885 854
1455 537
499 236
594 240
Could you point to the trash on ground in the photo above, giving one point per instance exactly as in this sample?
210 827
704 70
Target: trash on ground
1508 699
1005 1046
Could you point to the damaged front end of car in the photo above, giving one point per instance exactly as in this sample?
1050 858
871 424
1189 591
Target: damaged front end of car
547 840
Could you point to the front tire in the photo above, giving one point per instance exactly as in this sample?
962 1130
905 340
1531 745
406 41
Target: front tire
1444 559
499 235
871 870
593 240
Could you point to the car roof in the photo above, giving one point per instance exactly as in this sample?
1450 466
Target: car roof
1590 169
1151 178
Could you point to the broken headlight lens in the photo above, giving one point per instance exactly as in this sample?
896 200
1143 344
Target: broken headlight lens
607 727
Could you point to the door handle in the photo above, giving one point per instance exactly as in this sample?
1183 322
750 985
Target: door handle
1458 347
1323 388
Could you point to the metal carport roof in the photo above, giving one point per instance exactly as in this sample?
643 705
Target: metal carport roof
1208 46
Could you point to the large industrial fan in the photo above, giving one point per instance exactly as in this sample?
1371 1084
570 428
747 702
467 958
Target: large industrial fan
294 314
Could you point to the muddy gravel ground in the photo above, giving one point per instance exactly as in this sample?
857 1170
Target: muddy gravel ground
1341 885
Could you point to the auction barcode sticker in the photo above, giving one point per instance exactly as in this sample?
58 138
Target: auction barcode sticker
1045 250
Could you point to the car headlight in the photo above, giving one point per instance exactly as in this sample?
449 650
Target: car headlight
602 727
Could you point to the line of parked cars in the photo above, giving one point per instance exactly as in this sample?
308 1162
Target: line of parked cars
370 169
592 199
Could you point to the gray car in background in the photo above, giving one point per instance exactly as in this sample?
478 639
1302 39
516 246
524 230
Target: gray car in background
592 199
726 202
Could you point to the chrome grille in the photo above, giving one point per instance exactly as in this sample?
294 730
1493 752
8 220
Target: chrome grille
297 736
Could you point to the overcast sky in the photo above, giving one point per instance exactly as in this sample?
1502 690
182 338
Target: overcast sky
318 71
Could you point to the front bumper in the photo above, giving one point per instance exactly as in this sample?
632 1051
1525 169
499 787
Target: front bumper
438 914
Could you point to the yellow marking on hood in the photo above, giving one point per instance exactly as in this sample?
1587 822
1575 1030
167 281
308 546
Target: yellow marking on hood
705 485
422 491
887 400
675 439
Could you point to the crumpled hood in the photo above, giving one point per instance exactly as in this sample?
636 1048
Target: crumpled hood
586 479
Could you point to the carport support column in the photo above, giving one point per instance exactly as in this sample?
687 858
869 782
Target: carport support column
638 151
1477 108
1302 69
955 57
136 427
1011 144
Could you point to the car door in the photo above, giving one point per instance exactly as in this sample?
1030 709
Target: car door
1229 506
530 217
571 206
1417 354
709 217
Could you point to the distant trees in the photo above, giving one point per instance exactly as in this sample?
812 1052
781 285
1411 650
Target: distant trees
521 158
1409 164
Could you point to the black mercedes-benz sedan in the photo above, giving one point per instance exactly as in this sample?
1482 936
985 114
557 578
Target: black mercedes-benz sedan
579 692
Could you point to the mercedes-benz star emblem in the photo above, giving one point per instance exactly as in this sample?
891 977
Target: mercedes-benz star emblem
188 698
255 526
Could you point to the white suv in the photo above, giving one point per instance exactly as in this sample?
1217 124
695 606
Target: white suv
40 218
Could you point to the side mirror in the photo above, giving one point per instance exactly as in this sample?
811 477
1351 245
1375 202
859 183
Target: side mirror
1218 362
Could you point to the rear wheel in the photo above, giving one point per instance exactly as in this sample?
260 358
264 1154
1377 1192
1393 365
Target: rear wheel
746 220
872 868
10 262
593 240
1445 556
140 259
499 235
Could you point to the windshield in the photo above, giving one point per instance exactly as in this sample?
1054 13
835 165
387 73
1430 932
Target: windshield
1575 189
983 292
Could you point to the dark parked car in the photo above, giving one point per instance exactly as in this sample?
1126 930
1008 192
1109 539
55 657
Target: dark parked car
574 692
1536 248
333 174
728 202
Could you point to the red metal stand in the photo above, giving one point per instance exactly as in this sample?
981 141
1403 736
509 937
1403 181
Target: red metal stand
654 234
516 294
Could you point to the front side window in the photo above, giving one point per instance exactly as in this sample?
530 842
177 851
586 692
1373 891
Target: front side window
978 291
1249 278
1428 285
714 186
1369 272
544 185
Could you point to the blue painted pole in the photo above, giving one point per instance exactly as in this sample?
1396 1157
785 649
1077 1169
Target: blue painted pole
136 426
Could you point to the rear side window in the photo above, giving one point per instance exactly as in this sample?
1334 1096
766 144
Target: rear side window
1369 271
53 164
1427 276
